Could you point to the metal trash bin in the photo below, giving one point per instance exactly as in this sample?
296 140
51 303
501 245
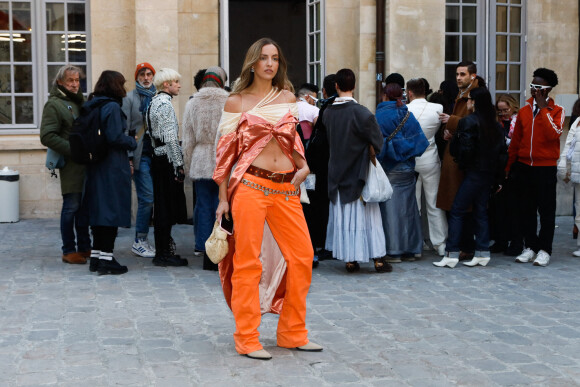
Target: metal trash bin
9 196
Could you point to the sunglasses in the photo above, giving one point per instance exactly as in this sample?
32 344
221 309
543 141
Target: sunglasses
309 96
538 87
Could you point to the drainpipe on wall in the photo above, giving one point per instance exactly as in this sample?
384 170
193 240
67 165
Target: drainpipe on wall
224 37
380 49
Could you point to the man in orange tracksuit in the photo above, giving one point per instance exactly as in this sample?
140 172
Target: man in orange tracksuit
533 156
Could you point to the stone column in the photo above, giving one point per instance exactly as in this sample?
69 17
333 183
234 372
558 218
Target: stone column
367 49
112 37
553 41
198 41
342 37
416 39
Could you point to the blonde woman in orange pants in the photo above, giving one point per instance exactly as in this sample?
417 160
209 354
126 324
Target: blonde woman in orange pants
259 167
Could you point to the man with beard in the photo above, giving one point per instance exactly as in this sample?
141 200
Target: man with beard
135 105
451 175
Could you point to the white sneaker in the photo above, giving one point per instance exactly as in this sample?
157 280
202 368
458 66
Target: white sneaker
542 259
526 256
441 250
142 248
576 253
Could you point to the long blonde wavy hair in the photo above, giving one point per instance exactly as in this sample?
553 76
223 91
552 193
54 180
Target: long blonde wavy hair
246 78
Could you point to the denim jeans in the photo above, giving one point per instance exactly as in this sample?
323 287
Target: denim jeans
473 191
206 191
144 189
74 216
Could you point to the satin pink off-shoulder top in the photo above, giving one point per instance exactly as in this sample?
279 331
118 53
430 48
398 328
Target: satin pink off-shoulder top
238 148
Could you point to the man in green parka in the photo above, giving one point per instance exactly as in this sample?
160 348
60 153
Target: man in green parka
62 107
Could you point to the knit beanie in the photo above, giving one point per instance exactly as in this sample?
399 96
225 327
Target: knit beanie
214 77
142 66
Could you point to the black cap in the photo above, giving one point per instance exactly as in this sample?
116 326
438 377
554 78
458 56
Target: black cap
395 78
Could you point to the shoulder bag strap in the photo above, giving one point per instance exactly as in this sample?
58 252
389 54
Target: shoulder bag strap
372 155
69 108
148 114
399 127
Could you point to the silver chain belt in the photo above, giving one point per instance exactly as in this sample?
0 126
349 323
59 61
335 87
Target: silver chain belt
267 191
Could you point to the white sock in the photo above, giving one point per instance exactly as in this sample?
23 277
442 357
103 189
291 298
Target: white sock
106 256
95 254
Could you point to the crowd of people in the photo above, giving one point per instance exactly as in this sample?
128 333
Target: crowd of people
289 169
454 161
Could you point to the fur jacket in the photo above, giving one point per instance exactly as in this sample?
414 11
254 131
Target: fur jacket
200 123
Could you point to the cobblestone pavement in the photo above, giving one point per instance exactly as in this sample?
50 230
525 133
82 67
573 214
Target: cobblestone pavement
505 324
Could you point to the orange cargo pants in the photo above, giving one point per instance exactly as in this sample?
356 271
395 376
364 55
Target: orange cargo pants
250 209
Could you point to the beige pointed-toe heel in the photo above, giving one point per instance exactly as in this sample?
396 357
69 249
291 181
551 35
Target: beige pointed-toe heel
260 354
310 347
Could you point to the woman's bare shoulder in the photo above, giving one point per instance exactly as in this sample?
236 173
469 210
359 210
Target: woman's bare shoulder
233 104
288 96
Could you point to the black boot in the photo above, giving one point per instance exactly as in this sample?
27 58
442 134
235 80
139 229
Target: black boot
172 245
498 247
324 254
110 266
166 259
208 264
164 249
94 265
515 248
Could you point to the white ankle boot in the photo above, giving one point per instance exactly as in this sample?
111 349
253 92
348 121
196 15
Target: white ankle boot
477 261
446 261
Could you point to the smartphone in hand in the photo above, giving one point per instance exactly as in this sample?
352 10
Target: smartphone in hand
227 224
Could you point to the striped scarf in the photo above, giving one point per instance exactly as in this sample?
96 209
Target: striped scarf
146 94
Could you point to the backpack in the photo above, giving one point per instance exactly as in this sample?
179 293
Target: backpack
88 144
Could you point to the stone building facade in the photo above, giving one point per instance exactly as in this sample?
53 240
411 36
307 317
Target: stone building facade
507 38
